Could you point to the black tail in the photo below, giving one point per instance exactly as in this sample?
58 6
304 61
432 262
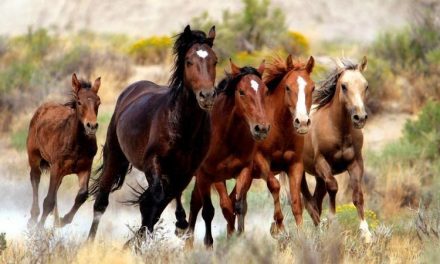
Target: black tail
122 169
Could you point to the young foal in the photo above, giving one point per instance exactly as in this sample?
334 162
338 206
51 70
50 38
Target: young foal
238 119
288 105
163 132
334 144
62 139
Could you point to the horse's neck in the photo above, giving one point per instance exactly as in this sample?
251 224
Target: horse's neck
186 113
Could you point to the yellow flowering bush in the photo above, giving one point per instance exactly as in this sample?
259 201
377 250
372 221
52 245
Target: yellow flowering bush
347 216
154 49
296 43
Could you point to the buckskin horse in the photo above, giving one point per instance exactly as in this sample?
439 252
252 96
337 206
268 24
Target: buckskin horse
334 143
62 139
238 119
288 105
162 131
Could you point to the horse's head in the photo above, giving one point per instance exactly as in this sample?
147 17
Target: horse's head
352 87
199 65
298 93
250 92
87 103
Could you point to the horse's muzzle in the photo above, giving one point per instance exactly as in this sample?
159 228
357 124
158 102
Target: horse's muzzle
206 99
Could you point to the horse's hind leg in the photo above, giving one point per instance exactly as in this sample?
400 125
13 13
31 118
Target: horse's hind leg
35 176
50 200
81 197
181 224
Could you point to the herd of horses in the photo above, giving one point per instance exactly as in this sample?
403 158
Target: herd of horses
256 123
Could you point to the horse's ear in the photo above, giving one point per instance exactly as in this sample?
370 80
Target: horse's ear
339 64
261 67
96 85
363 65
76 85
187 30
211 34
289 62
234 68
310 64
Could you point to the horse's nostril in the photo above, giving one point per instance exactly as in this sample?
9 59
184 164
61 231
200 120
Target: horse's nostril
297 121
309 122
257 128
366 116
88 125
356 117
201 95
96 125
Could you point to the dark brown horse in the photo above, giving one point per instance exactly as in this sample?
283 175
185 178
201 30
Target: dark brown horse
164 132
62 139
334 144
288 105
238 119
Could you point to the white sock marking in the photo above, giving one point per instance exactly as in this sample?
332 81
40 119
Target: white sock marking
254 85
202 53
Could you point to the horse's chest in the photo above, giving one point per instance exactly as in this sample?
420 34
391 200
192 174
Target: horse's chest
344 150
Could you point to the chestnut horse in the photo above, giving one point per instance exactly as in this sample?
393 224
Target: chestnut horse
62 139
334 144
288 105
238 119
164 132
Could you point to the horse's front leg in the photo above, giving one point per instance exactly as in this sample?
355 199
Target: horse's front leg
227 206
295 172
81 197
244 181
181 224
324 171
356 171
50 200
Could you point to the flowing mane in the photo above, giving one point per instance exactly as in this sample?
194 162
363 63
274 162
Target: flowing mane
325 93
184 41
72 101
277 69
228 84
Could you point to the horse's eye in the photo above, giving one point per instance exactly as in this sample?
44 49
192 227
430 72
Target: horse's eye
79 102
344 87
287 88
189 63
241 92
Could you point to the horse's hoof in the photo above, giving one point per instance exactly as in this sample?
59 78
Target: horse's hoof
275 230
32 223
180 232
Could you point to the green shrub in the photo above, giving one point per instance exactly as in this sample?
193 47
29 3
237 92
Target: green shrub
255 27
425 131
18 139
154 49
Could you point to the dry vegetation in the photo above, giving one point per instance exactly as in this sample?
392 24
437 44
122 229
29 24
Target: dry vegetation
401 182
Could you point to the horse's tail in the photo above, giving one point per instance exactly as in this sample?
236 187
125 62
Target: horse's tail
121 169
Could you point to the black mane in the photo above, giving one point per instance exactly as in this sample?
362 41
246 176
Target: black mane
228 84
325 93
184 41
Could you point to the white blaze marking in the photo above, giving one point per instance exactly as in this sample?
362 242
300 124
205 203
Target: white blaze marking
202 53
301 110
254 85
